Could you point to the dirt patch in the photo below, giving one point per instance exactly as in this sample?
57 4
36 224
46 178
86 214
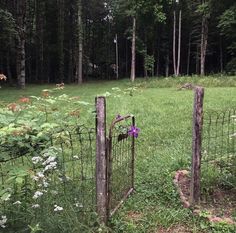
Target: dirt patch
174 229
218 206
134 216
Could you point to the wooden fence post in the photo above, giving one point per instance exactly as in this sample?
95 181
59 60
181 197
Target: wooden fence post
196 146
101 160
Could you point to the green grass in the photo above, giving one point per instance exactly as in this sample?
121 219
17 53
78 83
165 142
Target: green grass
164 145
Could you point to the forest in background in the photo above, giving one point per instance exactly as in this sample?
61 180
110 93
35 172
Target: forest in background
72 41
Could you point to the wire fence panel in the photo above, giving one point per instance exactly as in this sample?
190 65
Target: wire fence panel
57 175
120 162
219 149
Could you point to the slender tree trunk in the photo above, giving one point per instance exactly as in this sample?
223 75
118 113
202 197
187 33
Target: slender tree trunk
189 52
174 45
179 43
39 40
126 57
167 63
21 10
204 40
79 70
117 58
133 62
221 56
9 73
197 59
61 40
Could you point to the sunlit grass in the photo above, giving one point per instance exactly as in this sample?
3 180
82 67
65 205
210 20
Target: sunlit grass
164 115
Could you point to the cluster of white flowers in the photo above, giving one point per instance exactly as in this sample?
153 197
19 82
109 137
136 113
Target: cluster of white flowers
17 203
36 160
57 208
3 221
35 206
78 205
37 194
50 166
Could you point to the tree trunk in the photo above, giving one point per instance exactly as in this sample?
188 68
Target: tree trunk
117 58
174 45
179 43
204 39
39 40
79 68
9 73
61 40
167 64
21 10
132 76
189 52
221 56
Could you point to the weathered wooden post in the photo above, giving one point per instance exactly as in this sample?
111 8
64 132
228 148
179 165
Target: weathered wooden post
101 160
196 146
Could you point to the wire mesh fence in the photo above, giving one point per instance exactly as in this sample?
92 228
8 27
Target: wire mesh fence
219 149
121 162
75 171
56 175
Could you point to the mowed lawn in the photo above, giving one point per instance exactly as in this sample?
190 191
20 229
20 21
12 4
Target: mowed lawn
164 116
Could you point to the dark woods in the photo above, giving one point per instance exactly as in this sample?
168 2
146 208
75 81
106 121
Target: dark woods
71 41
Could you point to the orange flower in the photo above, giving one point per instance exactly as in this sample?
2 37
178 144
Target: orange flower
24 100
13 107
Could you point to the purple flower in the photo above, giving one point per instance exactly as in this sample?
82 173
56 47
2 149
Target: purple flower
118 116
133 131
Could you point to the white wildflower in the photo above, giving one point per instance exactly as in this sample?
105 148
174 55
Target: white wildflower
49 160
35 206
35 178
76 157
58 208
51 166
79 205
17 203
3 221
37 194
45 184
40 174
36 159
7 197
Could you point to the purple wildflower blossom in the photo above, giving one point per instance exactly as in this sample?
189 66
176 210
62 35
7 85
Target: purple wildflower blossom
134 131
118 116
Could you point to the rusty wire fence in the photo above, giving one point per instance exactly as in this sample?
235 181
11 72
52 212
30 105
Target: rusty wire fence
56 174
219 150
60 172
120 162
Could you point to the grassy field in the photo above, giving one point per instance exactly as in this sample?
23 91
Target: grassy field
164 115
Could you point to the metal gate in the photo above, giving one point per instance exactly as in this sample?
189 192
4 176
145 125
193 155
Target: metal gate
120 162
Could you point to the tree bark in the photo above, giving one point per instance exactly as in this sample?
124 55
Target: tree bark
174 45
133 62
39 40
79 68
61 39
189 52
21 10
167 62
204 40
179 43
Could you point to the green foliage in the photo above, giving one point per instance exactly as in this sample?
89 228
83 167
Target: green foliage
7 26
149 63
164 115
